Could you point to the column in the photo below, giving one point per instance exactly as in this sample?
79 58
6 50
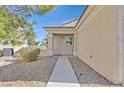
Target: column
75 45
50 44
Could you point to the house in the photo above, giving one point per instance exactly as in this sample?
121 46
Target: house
97 38
61 38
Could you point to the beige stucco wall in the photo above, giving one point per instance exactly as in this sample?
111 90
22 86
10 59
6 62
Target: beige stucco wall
98 42
16 48
121 40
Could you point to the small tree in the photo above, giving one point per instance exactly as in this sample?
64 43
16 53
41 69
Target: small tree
12 18
37 43
30 34
44 42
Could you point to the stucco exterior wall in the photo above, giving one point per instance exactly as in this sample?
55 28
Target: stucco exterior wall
121 40
16 48
97 43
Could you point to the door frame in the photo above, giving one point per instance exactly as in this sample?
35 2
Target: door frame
63 49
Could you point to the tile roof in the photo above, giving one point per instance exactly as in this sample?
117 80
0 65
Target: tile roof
70 23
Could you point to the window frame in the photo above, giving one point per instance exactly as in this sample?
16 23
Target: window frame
67 42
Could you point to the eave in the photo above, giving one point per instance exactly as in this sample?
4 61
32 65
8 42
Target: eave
60 30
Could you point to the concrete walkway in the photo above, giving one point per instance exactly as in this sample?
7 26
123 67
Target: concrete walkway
63 74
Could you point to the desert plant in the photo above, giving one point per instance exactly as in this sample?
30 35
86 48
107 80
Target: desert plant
30 54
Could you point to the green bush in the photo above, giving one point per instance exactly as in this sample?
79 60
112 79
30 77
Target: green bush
30 54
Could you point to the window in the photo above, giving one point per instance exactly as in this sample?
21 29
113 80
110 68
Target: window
68 40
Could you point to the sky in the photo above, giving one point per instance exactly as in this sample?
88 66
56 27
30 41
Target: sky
58 16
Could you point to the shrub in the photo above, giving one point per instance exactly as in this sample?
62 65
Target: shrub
30 54
17 53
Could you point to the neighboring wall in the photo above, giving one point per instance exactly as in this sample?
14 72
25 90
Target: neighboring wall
98 41
16 48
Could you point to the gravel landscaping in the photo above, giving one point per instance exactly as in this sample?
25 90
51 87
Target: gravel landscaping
86 76
31 74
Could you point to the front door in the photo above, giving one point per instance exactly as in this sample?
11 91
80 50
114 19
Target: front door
67 45
62 44
57 44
